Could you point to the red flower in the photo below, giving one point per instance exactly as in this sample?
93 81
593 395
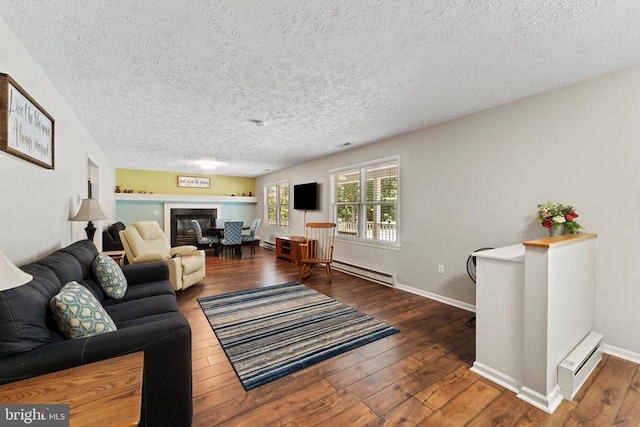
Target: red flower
547 223
569 217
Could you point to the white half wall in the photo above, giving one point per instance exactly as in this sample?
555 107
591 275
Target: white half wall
37 203
476 181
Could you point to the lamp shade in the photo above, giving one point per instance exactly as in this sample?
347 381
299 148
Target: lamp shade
10 275
89 211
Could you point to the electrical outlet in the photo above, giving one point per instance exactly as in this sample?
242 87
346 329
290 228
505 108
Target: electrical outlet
156 213
440 269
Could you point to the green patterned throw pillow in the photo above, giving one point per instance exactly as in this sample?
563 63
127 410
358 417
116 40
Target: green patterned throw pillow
78 313
109 275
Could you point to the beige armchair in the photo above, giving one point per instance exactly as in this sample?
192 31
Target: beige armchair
144 241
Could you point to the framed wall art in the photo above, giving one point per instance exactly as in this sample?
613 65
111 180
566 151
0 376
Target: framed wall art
26 129
194 181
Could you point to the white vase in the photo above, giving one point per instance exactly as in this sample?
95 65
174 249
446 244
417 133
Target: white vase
557 230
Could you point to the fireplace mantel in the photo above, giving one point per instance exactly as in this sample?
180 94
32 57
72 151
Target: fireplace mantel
184 198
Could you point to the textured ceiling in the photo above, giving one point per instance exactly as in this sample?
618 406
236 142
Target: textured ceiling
164 85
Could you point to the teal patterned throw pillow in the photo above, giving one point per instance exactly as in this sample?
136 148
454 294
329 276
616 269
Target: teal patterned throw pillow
109 275
78 313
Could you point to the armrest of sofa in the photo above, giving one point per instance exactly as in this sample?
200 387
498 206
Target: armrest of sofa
144 273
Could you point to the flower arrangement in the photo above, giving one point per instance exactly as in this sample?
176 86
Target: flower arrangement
556 215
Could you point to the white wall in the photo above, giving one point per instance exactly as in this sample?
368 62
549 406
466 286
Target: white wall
36 203
476 181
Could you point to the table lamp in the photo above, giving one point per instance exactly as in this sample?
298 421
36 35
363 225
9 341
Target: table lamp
89 211
10 275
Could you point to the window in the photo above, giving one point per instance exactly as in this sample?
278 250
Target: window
365 201
276 204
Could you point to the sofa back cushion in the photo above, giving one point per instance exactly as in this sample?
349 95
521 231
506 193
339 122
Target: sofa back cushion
26 320
84 253
25 315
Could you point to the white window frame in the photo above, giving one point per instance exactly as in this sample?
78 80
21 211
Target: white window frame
277 185
362 203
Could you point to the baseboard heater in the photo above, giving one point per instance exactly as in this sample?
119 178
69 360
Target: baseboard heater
576 368
269 245
383 278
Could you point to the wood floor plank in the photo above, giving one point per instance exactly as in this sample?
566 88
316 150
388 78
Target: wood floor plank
630 410
506 410
276 409
357 415
464 407
409 413
357 372
318 412
384 382
439 394
384 377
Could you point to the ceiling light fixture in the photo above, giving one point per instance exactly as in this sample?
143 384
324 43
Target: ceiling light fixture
206 164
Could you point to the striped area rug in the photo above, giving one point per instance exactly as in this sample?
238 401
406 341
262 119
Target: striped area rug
270 332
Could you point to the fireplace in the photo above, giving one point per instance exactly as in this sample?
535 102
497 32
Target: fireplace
182 232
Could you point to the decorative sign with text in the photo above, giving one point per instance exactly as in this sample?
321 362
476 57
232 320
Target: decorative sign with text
194 181
26 129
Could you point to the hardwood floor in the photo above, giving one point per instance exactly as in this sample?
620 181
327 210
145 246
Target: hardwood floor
417 377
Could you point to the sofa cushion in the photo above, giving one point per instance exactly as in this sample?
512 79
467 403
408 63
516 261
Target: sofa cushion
143 307
24 312
78 313
140 291
64 265
84 251
109 275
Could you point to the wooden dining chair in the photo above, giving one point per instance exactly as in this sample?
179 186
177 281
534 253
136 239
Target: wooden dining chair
317 248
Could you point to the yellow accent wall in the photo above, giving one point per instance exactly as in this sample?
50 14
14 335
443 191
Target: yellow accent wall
167 183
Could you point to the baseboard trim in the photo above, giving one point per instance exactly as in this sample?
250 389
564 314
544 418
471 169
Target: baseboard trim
497 377
439 298
547 403
621 353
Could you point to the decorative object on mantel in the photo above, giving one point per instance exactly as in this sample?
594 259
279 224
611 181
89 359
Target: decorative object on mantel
558 218
26 129
90 210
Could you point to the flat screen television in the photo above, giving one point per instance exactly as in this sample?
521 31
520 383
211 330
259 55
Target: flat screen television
305 196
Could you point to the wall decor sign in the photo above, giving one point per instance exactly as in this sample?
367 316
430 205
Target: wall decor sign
194 181
26 129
